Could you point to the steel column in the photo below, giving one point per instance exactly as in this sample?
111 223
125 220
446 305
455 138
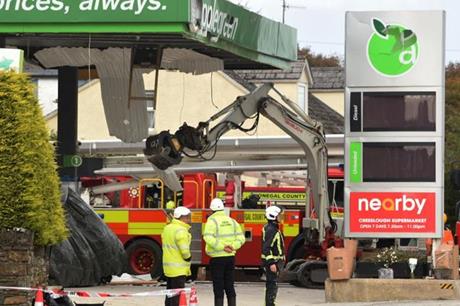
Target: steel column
67 119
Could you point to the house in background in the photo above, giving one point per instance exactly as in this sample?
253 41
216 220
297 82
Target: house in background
46 82
329 87
299 81
293 82
190 98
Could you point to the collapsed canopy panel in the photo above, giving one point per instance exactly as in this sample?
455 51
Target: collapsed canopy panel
122 85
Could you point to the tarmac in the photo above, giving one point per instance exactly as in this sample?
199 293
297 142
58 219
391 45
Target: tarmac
248 294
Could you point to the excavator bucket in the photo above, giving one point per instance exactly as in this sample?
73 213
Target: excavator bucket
161 150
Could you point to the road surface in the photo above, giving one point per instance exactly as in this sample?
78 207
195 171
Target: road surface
248 294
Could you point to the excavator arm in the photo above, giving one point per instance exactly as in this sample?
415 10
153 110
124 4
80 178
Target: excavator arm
165 150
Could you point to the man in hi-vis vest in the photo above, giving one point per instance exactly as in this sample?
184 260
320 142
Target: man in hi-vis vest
175 241
223 237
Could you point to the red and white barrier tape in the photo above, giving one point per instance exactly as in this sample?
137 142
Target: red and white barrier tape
19 288
57 293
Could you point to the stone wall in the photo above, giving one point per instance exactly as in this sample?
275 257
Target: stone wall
21 265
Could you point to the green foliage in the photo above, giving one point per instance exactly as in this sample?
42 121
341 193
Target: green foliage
318 59
29 185
452 146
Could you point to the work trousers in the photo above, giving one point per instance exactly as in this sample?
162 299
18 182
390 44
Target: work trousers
271 285
223 278
174 283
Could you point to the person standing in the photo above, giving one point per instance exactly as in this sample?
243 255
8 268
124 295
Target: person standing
272 253
176 240
223 237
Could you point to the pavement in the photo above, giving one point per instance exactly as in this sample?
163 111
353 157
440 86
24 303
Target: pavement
248 294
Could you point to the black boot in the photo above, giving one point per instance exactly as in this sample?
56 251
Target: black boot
218 301
231 300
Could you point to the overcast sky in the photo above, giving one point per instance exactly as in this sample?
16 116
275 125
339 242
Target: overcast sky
320 23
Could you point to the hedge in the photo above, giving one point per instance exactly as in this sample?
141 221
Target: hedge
29 184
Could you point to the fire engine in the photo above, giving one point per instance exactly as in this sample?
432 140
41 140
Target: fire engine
141 236
308 232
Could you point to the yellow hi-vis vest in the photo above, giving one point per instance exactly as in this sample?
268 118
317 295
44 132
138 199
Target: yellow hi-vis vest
220 231
175 241
170 205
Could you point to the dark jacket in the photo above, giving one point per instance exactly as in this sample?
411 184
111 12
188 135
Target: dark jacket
272 244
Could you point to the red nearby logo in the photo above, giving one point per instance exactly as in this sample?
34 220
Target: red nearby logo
392 212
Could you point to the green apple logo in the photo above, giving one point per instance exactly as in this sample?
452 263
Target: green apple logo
392 50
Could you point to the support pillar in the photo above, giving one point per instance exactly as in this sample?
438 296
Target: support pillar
67 119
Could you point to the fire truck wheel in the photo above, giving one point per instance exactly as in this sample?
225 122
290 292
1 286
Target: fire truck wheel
144 257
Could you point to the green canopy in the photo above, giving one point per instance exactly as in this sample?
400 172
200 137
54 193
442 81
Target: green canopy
218 28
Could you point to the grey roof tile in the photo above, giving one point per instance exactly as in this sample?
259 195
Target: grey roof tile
332 121
293 73
237 78
328 78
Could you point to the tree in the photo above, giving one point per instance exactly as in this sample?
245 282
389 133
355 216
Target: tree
29 184
452 130
318 59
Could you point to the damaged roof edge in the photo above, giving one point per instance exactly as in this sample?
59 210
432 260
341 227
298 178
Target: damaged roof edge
269 44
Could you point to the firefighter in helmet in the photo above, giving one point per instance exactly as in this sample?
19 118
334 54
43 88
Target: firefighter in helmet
175 240
272 252
223 237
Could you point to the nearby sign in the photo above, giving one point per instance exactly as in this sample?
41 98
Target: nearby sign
11 59
394 127
392 212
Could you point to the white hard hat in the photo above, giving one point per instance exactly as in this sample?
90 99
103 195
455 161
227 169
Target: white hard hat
181 211
216 204
272 212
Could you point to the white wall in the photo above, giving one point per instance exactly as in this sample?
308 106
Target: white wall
47 89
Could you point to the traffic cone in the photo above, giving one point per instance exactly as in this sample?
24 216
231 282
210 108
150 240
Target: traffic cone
182 298
39 298
193 298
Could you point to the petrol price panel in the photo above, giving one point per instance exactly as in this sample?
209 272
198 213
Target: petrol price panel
394 124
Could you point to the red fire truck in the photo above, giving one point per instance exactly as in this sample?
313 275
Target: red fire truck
137 215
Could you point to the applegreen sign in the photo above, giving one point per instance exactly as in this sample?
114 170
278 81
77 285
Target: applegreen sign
392 50
217 24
